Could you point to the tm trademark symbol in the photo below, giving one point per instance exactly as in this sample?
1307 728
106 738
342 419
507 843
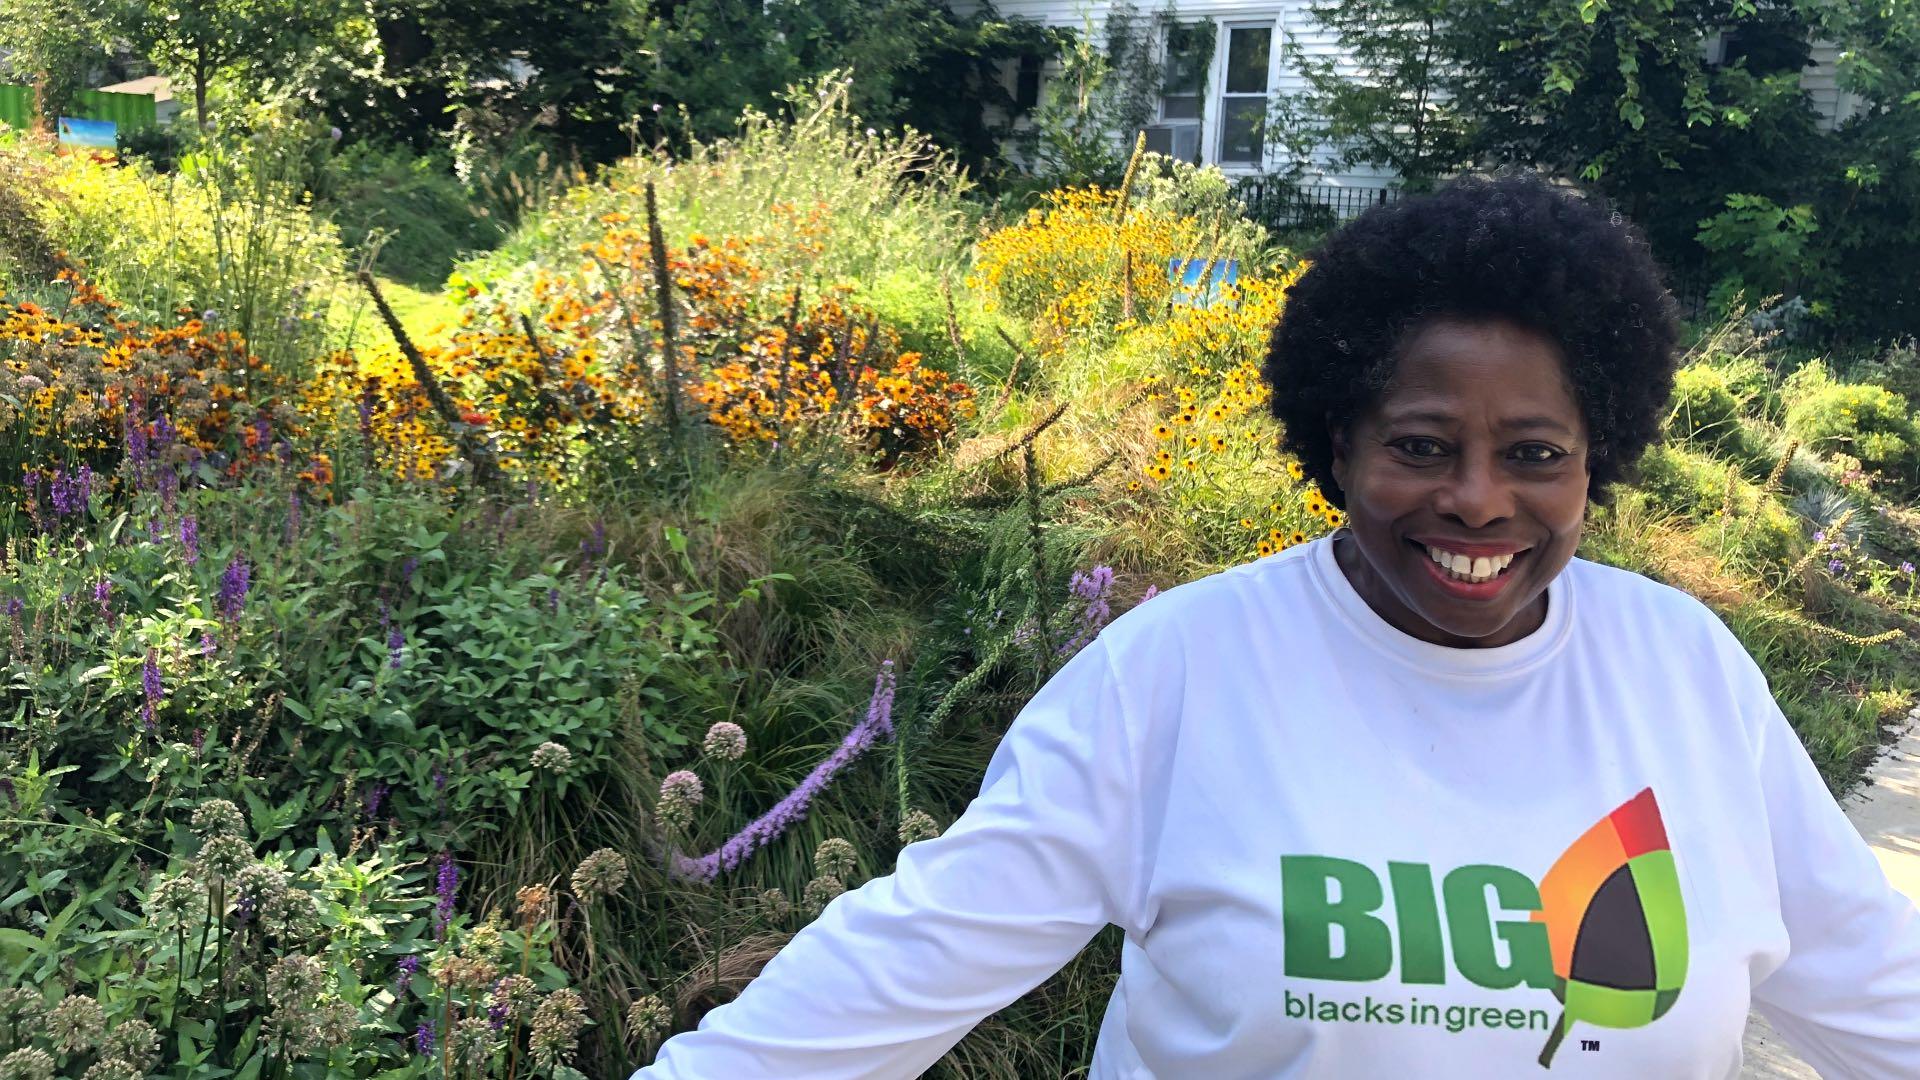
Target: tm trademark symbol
1589 1044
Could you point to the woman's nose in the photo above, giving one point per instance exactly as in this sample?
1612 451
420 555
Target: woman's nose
1475 491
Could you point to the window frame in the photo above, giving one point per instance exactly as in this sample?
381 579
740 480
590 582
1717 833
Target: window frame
1217 100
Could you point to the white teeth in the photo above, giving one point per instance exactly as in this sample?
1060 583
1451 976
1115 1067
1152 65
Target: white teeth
1465 569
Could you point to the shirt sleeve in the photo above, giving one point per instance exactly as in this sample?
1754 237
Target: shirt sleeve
894 973
1848 995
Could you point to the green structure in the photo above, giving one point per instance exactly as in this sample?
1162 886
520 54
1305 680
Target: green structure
129 112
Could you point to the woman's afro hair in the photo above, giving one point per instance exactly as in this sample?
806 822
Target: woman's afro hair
1510 245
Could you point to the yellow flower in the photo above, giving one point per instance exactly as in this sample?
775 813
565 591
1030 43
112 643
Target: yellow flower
1265 549
1218 443
1296 537
1133 485
1193 441
1294 470
1246 523
1162 431
1189 464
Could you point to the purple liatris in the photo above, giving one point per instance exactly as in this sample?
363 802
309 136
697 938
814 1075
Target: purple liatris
233 588
1091 587
150 686
374 798
190 538
764 829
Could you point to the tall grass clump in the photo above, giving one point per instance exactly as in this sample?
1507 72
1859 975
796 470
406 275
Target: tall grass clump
882 212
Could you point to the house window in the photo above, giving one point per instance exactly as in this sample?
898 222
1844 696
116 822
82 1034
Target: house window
1176 132
1244 94
1026 83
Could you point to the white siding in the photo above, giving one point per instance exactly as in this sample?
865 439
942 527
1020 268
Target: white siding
1295 23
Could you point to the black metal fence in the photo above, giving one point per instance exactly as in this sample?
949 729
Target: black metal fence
1279 204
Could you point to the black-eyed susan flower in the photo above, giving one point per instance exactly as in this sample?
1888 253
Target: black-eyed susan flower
1296 537
1247 523
1265 548
1162 431
1217 443
1294 470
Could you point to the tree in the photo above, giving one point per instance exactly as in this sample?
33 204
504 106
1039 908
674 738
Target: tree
52 44
256 40
1393 111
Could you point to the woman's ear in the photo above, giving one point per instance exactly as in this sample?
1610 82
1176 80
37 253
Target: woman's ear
1342 449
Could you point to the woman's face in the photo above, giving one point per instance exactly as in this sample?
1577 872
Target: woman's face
1477 447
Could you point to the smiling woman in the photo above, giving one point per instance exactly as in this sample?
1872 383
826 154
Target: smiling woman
1428 794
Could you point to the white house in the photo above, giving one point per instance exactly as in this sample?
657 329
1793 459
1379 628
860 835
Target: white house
1248 68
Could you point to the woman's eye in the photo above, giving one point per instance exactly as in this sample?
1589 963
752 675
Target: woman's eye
1531 454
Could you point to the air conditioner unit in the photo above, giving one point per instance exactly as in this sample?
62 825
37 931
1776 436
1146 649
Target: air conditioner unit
1181 141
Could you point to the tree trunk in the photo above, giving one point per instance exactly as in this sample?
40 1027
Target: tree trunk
200 87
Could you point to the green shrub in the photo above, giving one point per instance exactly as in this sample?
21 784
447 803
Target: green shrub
1705 406
1866 421
410 208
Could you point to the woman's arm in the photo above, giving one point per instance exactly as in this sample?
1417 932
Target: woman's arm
1848 995
892 974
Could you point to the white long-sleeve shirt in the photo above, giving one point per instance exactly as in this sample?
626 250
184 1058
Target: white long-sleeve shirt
1340 851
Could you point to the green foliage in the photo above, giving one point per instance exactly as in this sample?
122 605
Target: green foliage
1865 421
51 45
1395 117
1764 248
409 209
226 236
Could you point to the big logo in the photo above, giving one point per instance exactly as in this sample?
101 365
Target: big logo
1605 930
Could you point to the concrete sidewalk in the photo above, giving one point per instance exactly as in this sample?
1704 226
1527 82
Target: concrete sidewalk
1887 813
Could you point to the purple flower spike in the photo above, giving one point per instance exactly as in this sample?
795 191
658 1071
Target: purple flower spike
103 595
233 588
396 647
190 538
768 827
151 686
447 887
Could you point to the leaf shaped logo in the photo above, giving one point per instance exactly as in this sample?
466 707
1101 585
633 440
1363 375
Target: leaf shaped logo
1615 923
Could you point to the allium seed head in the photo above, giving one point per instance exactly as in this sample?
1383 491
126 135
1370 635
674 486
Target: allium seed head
835 857
917 825
602 873
75 1023
218 817
552 757
27 1064
725 741
820 892
295 981
133 1041
111 1069
223 856
648 1017
680 793
556 1028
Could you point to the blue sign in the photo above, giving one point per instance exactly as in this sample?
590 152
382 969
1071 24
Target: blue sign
92 134
1185 273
